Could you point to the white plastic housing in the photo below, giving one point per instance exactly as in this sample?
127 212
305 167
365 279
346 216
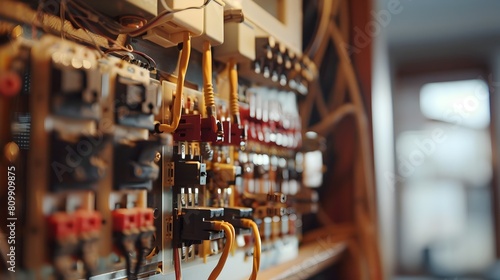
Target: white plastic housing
213 29
170 31
239 43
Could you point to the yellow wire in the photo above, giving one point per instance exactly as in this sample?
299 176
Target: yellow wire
233 233
257 246
183 65
233 92
219 225
208 89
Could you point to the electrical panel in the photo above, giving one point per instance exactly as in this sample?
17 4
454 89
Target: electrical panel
136 153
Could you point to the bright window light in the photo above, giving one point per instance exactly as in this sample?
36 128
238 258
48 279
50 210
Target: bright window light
464 103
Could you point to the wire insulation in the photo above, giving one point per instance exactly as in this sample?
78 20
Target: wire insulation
183 65
228 231
208 89
257 246
177 263
233 92
233 233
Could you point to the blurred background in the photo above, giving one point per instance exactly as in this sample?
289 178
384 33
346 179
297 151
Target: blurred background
435 84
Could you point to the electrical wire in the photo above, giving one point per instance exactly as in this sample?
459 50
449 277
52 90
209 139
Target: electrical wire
233 91
208 89
96 17
151 61
149 58
228 230
183 65
113 27
144 244
165 15
257 246
87 258
127 254
177 263
233 233
86 32
62 12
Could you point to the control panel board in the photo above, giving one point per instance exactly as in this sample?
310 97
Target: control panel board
149 139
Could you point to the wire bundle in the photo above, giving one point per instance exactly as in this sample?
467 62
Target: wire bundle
87 14
230 238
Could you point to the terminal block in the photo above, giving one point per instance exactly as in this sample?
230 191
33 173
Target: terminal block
88 223
196 225
75 235
233 134
133 232
196 128
233 215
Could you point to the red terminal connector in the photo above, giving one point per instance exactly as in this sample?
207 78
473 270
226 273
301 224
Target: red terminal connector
189 128
62 226
146 219
195 128
88 222
209 130
125 220
233 135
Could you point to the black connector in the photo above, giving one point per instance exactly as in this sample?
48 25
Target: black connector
233 215
135 161
77 165
184 171
196 225
126 244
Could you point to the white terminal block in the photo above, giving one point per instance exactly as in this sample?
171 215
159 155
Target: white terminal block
213 25
184 17
239 43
